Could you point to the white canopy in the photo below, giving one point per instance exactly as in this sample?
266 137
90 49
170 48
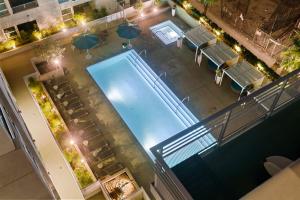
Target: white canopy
200 36
244 74
219 54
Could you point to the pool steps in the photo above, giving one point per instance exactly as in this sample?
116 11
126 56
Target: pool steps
175 152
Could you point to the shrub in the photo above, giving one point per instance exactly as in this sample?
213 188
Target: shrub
139 5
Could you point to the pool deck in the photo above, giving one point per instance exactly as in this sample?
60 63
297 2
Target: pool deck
184 78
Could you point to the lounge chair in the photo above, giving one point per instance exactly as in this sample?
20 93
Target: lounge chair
95 143
78 114
62 95
74 107
104 153
68 97
99 173
73 99
90 134
113 168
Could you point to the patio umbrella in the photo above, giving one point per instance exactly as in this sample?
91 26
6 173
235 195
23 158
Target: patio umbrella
128 31
86 41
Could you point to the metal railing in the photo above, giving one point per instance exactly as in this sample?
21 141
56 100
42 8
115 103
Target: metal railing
25 6
227 124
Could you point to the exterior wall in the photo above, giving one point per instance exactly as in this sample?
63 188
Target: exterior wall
21 135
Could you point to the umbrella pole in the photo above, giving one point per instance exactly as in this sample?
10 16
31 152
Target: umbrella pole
129 44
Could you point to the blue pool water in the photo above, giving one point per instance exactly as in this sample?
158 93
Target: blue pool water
135 96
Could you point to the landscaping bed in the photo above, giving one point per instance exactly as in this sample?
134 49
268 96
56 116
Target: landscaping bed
220 34
60 133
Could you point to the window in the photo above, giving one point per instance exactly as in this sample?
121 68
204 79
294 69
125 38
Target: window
67 14
3 9
62 1
10 33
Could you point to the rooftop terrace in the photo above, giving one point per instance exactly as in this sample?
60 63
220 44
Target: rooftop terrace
184 77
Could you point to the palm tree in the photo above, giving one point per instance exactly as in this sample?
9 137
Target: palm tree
291 56
207 3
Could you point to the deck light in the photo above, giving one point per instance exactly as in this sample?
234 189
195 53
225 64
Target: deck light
142 14
72 142
64 30
237 48
56 61
154 9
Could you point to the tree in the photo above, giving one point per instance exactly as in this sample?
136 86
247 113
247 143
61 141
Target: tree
291 56
207 3
51 51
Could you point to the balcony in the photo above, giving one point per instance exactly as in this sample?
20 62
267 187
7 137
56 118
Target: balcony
18 6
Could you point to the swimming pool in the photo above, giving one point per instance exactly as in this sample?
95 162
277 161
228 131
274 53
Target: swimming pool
149 108
167 32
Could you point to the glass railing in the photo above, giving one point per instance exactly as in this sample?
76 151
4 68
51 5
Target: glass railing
226 125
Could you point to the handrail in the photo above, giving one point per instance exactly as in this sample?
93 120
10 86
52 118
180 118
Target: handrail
185 117
159 77
228 108
167 90
181 102
277 94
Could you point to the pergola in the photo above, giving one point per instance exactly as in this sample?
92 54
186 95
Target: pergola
200 37
245 75
219 54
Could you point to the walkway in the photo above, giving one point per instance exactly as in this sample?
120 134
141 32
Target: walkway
18 180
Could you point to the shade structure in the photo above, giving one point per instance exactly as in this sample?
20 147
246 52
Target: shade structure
219 54
128 31
244 74
200 37
86 41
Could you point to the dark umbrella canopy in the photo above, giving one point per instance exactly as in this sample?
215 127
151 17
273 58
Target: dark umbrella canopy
128 31
86 41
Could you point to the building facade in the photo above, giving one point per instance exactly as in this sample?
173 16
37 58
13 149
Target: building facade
17 15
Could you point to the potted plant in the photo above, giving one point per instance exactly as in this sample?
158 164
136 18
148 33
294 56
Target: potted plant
218 77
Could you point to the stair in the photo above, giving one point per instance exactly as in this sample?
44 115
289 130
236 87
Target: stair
198 140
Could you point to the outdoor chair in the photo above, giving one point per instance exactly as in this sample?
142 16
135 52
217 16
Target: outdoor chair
68 97
71 100
113 168
95 143
75 107
87 128
103 153
90 134
99 173
78 114
63 95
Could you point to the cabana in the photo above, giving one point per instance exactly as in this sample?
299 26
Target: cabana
244 75
219 54
200 37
